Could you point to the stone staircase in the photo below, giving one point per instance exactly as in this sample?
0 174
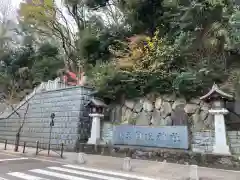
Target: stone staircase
44 86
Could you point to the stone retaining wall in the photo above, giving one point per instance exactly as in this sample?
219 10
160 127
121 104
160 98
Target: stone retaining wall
68 106
169 110
203 141
107 133
165 110
234 141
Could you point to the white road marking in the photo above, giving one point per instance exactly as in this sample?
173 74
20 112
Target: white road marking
59 162
47 160
85 173
13 159
109 172
58 175
25 176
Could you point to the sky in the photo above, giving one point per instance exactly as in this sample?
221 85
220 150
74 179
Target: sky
13 4
16 4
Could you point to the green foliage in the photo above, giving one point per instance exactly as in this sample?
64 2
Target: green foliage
194 83
132 121
33 11
235 30
183 81
184 47
23 68
237 86
143 16
112 83
96 3
48 50
186 56
89 46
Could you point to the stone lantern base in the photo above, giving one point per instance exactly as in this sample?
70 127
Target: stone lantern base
95 130
224 149
221 146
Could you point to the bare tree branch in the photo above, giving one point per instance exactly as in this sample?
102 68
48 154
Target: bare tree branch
20 129
74 13
24 119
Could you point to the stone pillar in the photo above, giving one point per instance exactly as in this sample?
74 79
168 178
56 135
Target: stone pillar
96 127
220 146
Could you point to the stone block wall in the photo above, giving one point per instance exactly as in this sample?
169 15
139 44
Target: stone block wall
68 106
234 141
106 133
168 110
203 141
165 110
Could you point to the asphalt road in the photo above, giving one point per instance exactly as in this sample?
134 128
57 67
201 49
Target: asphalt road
16 168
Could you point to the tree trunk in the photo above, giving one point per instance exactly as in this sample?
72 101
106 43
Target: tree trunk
17 142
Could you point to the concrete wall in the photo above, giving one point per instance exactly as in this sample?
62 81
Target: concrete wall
68 106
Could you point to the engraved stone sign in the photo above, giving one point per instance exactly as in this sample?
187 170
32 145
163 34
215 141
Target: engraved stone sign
168 136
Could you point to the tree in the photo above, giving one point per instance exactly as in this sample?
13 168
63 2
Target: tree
7 35
39 10
47 63
45 25
25 67
18 135
150 45
192 49
144 16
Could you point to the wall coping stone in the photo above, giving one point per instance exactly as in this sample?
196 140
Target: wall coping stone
65 88
42 92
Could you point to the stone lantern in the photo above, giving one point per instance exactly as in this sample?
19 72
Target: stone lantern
97 108
218 99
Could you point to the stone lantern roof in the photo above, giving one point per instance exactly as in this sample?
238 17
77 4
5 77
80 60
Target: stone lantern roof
216 92
96 103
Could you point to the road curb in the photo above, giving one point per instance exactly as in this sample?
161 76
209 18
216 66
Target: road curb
32 155
11 153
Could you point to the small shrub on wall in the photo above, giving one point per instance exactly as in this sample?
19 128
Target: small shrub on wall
155 65
112 84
